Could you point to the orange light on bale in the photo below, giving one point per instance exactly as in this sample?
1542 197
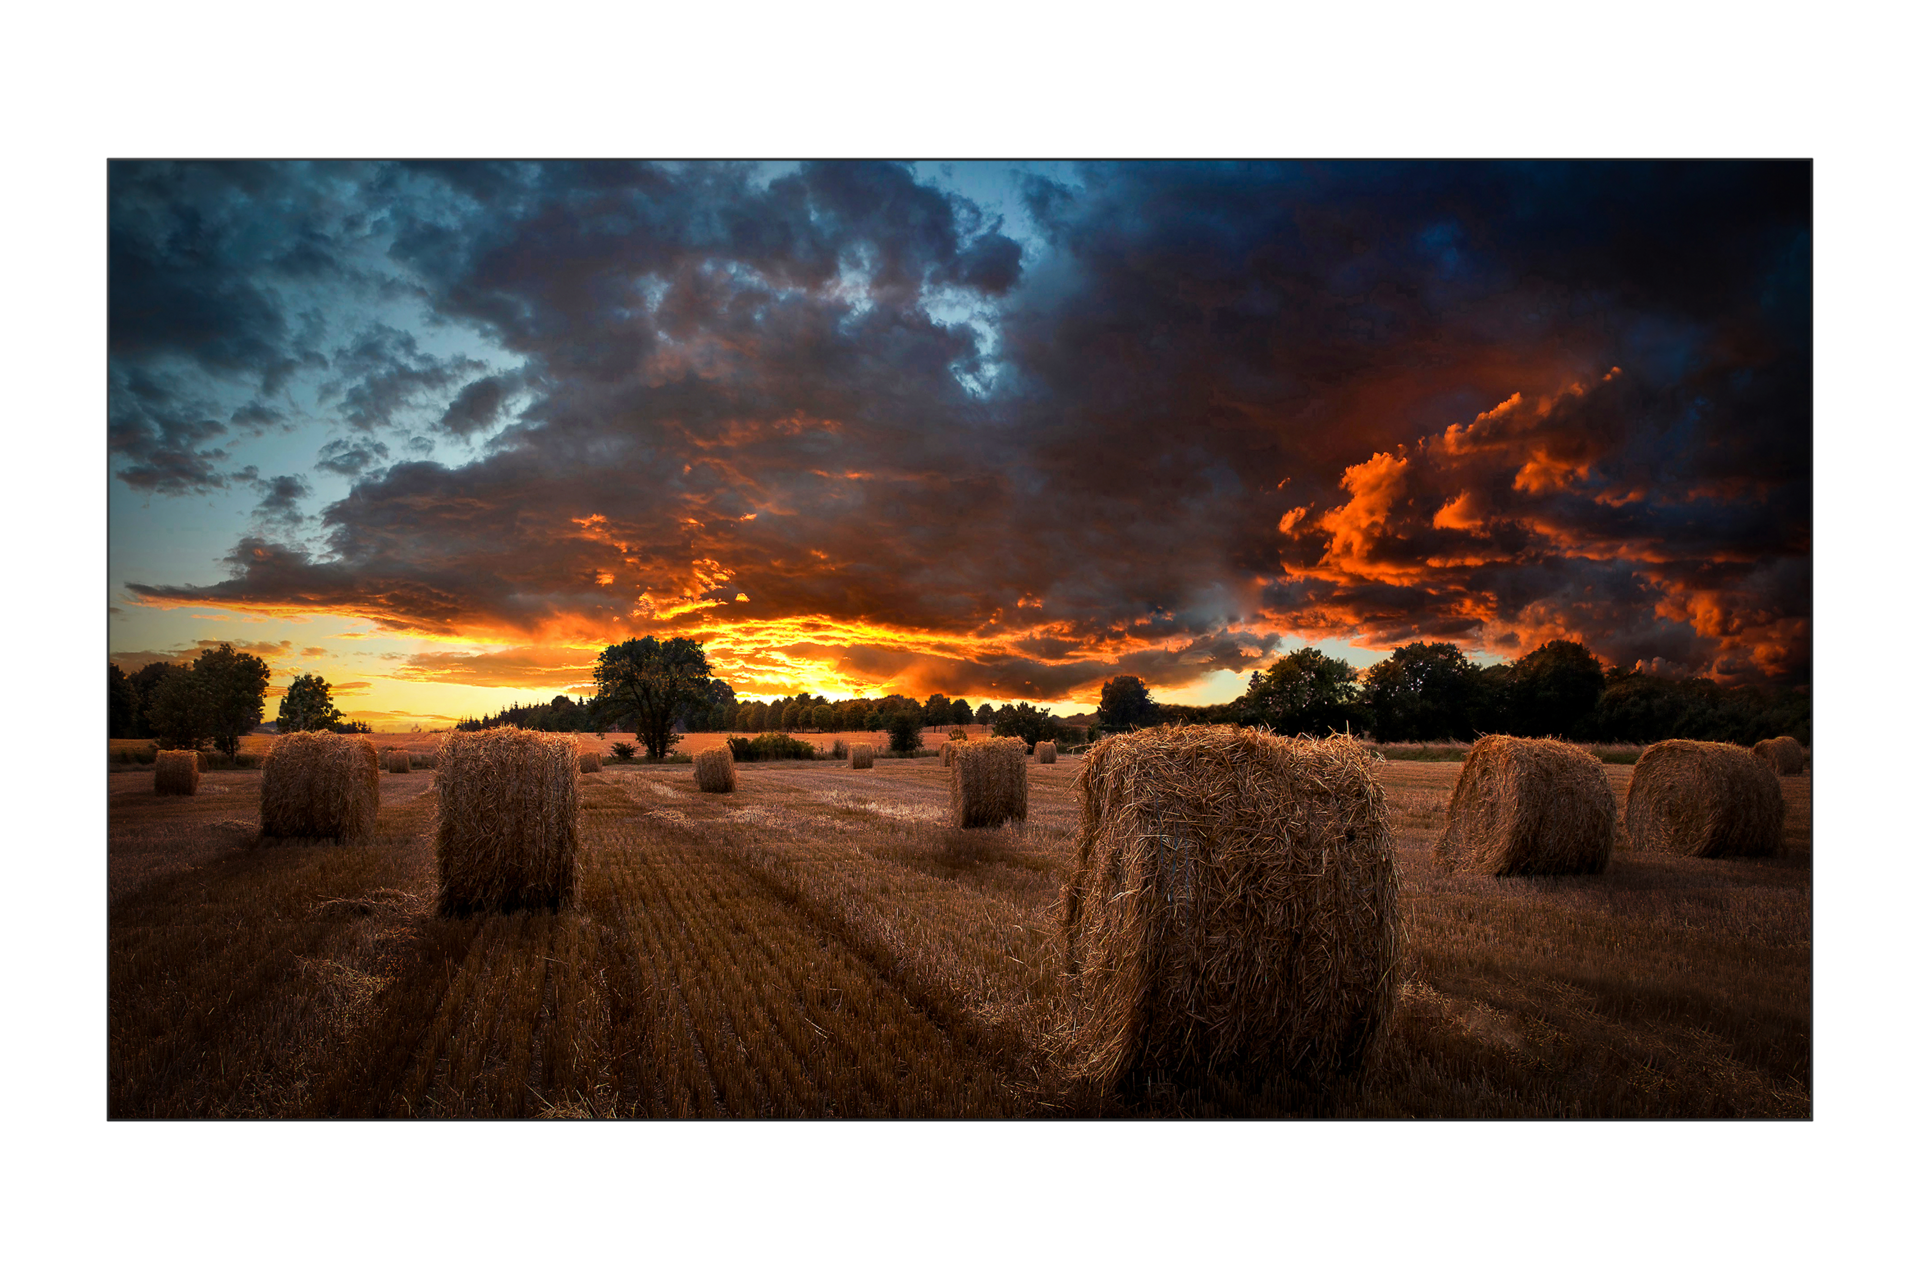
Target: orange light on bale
1044 753
860 756
509 821
320 785
713 771
1234 908
1785 756
987 784
398 760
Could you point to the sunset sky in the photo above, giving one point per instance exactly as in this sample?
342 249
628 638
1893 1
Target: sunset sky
439 432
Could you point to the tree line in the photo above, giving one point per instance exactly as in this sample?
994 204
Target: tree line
213 701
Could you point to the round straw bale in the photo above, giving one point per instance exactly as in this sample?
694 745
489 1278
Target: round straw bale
509 821
1528 807
860 756
713 770
589 762
176 773
988 782
424 759
397 760
1234 908
1785 756
1045 753
321 785
1704 800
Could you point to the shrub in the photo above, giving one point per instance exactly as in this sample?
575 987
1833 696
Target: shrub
770 746
623 750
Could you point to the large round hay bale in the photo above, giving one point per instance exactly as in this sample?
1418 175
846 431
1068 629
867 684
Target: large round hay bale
509 821
176 773
860 756
713 770
1234 908
1704 800
320 785
1528 807
1785 756
397 760
589 762
988 782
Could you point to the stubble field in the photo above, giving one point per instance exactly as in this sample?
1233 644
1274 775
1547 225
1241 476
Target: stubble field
820 943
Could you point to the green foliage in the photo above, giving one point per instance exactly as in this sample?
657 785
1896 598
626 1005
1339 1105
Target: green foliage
123 704
307 706
770 746
1306 692
1426 692
1027 722
985 714
1126 705
145 681
623 751
234 685
938 709
652 682
179 713
903 727
1641 707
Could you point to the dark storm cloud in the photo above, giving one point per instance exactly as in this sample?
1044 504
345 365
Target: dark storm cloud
280 499
1228 402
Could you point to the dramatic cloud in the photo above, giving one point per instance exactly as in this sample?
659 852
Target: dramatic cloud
843 426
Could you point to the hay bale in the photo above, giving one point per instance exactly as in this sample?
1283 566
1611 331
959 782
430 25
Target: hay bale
509 821
1045 753
321 785
424 759
860 756
1704 800
988 783
1528 807
1785 756
590 761
713 770
176 773
398 761
1234 908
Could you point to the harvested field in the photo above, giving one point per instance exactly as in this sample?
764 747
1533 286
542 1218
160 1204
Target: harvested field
822 943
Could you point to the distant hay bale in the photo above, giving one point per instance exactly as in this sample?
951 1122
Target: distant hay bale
176 773
590 761
398 761
713 770
1704 800
1528 807
1045 753
509 821
424 759
988 783
1785 756
860 756
320 785
1234 908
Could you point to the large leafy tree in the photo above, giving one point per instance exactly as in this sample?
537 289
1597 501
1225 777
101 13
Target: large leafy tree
123 704
145 681
308 706
1027 722
1424 692
234 685
1554 689
652 682
1306 692
179 713
903 726
1126 704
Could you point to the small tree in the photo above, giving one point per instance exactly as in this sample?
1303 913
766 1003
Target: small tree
1305 692
235 687
179 713
1125 704
903 727
962 713
308 706
652 681
938 709
985 714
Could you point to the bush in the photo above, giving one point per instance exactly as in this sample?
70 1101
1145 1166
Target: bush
903 730
770 746
623 750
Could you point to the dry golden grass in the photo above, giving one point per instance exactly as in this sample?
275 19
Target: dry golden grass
987 782
1530 807
822 943
1704 800
176 773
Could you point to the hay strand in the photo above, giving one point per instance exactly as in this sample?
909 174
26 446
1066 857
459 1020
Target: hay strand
1234 908
988 782
713 771
509 821
1785 756
176 773
1528 807
860 756
320 786
1704 800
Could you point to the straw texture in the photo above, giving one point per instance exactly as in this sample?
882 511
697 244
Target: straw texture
860 756
1528 807
1234 908
320 785
176 773
1704 800
987 782
509 821
713 770
1785 756
398 760
590 761
1045 753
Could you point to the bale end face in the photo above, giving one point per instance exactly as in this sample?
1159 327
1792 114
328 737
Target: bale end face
713 770
987 782
1785 756
1234 908
320 786
1529 807
1704 800
176 773
1045 753
398 761
860 756
509 827
590 762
